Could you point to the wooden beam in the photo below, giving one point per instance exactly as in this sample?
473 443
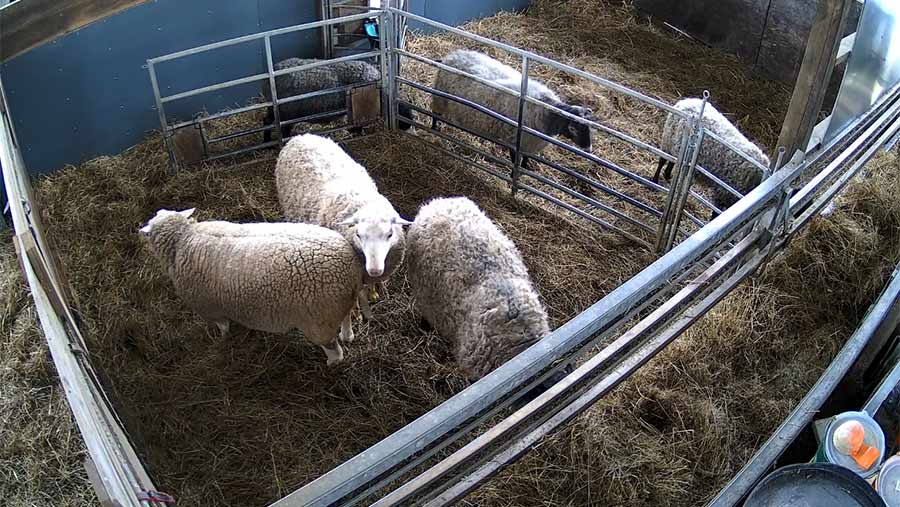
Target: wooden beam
815 74
27 24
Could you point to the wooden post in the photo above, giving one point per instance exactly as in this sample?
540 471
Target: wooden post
815 73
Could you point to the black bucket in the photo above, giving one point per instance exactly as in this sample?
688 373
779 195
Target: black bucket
813 485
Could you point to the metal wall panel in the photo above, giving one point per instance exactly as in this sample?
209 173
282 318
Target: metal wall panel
87 94
874 64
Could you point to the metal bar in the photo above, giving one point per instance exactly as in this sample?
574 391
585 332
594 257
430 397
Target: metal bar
588 200
805 194
313 117
325 63
484 168
603 128
385 75
173 162
845 48
243 150
319 93
808 407
387 27
459 142
520 122
270 66
682 195
540 59
719 139
242 133
584 214
214 87
260 35
599 186
605 359
474 105
455 125
223 114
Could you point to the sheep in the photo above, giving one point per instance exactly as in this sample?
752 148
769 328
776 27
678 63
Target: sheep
714 157
538 118
267 277
320 78
317 182
471 285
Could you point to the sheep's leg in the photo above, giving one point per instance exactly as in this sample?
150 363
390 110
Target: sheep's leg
659 168
334 352
434 123
355 131
224 326
669 167
363 301
347 330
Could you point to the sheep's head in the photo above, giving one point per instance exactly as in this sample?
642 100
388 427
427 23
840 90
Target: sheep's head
511 319
161 217
376 235
578 132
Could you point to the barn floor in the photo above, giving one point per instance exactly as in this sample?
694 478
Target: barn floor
245 420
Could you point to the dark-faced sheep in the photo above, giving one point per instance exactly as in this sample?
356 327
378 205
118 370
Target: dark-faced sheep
538 118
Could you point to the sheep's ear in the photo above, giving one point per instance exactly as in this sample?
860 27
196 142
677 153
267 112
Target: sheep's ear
400 221
353 220
187 213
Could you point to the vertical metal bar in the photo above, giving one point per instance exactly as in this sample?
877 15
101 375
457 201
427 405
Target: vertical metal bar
162 116
393 56
387 80
523 92
670 196
276 114
681 184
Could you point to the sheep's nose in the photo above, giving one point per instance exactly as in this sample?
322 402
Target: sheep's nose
375 272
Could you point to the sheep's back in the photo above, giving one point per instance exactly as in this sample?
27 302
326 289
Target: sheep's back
270 282
318 182
451 248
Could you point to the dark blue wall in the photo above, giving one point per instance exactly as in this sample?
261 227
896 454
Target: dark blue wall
88 93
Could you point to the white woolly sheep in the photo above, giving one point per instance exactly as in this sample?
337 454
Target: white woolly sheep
268 277
319 78
727 165
319 183
471 285
539 118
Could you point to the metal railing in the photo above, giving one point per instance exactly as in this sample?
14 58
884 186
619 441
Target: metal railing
274 102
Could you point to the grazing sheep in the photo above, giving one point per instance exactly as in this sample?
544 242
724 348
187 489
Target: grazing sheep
538 118
268 277
714 157
320 78
471 285
319 183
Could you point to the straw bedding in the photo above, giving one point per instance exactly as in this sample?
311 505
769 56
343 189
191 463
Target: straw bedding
245 420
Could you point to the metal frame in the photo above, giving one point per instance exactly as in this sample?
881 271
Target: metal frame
632 323
114 467
201 121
